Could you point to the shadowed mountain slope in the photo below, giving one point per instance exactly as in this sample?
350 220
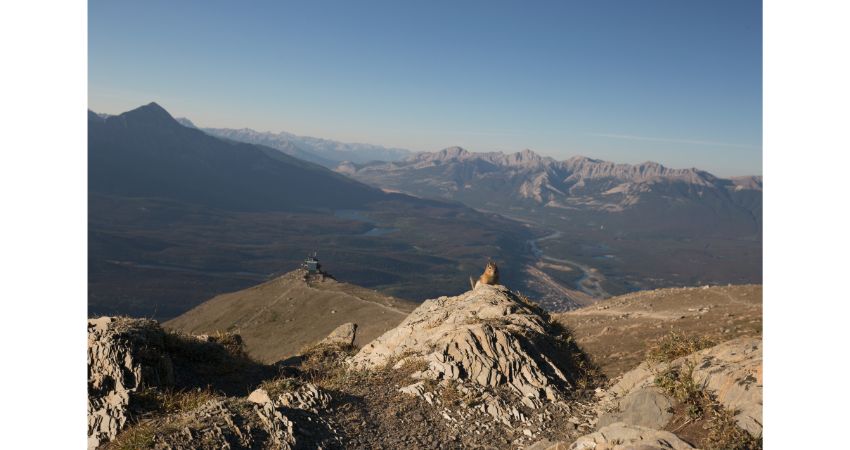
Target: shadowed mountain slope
146 153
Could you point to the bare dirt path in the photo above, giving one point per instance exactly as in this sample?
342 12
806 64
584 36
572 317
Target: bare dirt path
616 332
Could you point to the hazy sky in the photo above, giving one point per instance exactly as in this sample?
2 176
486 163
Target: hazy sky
678 82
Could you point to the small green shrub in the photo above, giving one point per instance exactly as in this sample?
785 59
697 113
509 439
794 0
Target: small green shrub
680 384
156 402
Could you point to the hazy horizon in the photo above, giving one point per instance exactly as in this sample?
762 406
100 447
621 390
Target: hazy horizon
679 84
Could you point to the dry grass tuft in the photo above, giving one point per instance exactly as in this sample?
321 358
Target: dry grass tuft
680 384
163 413
450 395
156 402
137 436
325 365
675 345
723 431
278 386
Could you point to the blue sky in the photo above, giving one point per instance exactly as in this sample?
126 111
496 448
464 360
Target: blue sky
629 81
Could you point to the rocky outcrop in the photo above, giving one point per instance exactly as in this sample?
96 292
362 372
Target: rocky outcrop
488 336
124 355
280 416
508 363
731 371
226 423
134 362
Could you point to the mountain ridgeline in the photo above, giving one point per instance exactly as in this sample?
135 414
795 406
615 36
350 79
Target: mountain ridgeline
147 153
646 197
320 151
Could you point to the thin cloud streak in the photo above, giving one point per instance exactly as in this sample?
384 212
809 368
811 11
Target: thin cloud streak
674 141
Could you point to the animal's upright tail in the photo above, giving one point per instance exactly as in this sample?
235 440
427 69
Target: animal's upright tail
471 283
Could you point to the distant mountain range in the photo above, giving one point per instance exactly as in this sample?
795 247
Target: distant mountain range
643 196
326 152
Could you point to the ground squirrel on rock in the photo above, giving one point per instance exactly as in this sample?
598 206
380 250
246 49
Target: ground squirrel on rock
490 276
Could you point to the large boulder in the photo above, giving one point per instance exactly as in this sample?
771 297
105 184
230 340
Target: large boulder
646 407
284 421
341 335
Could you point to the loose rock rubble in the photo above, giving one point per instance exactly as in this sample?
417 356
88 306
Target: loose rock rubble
288 420
258 422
